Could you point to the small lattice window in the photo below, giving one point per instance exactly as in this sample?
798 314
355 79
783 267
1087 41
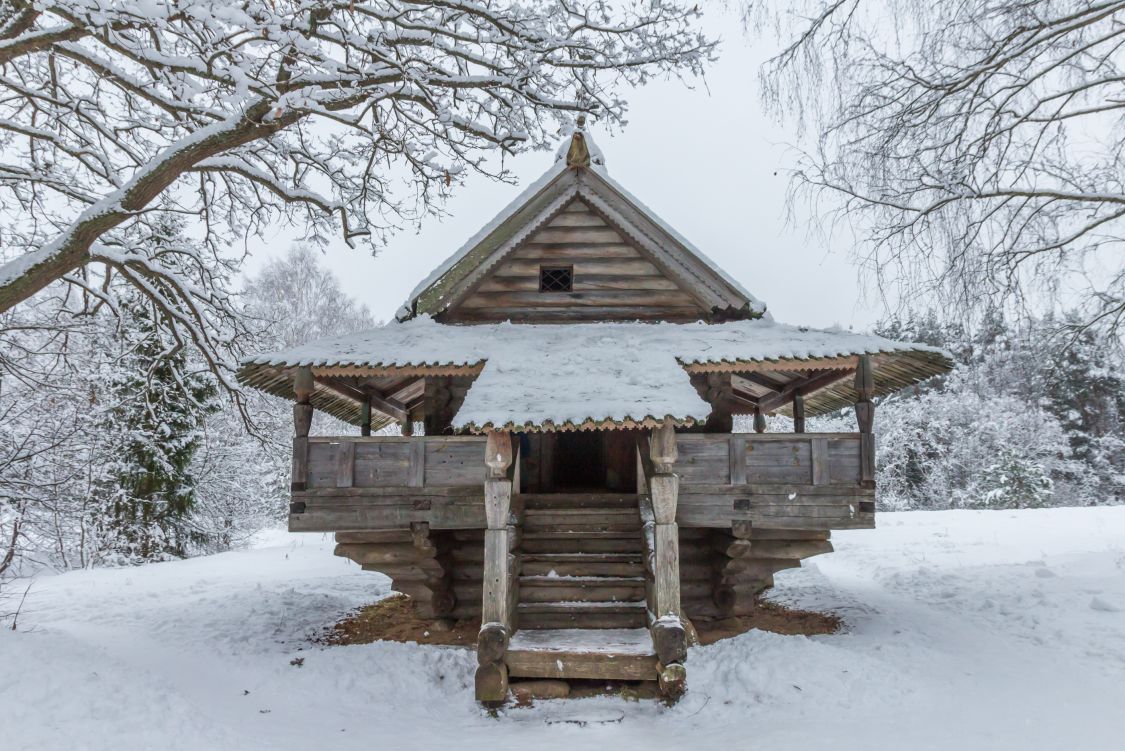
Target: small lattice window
556 278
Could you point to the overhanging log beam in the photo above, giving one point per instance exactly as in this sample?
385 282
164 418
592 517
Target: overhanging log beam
803 387
366 393
389 407
759 379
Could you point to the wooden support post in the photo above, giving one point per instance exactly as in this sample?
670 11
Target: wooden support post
302 423
798 414
865 417
667 570
669 636
500 572
759 421
365 418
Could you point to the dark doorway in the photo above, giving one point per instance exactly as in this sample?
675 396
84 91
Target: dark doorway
578 461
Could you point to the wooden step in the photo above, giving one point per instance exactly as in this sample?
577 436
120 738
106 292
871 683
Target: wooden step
548 543
593 654
583 564
582 589
583 521
536 501
581 615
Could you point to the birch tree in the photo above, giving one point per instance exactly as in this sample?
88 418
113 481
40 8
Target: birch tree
340 117
977 145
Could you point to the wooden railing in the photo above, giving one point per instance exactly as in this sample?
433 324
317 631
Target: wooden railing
779 480
387 482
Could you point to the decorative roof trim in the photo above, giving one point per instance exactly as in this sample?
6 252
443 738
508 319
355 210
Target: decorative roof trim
549 426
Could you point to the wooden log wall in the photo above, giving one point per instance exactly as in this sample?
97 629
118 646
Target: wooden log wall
722 571
418 561
716 390
612 280
442 397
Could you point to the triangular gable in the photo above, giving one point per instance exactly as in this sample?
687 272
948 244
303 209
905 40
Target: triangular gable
611 278
694 281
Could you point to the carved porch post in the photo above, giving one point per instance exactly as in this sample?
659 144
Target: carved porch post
302 422
759 421
798 414
499 572
365 418
668 634
865 416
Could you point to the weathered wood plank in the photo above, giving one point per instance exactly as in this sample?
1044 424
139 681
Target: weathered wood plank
820 468
582 217
565 315
570 665
300 475
666 572
345 464
567 252
737 458
496 578
616 266
587 283
578 235
416 476
576 299
451 463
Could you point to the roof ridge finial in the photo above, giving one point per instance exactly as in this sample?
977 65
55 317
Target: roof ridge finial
578 155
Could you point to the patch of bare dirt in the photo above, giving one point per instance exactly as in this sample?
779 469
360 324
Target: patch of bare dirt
769 616
394 619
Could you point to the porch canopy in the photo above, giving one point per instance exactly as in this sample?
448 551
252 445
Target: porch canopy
590 375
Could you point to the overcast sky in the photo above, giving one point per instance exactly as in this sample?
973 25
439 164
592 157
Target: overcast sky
705 159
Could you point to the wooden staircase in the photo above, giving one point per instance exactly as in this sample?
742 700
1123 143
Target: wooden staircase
582 611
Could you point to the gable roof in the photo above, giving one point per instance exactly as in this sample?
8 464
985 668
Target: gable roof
579 173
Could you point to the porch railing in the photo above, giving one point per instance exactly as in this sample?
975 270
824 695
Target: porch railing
781 480
386 482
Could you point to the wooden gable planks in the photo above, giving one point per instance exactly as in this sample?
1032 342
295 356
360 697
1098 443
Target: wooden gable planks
612 280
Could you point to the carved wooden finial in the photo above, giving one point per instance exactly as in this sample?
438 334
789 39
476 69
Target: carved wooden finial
579 154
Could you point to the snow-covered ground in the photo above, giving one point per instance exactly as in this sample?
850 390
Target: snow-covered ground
966 630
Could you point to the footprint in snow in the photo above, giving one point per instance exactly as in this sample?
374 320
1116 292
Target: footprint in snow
1104 606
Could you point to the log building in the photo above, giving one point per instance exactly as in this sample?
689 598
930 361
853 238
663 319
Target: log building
567 472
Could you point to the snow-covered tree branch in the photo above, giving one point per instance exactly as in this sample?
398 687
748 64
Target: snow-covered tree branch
978 145
346 117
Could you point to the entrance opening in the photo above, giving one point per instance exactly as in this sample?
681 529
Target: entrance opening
579 461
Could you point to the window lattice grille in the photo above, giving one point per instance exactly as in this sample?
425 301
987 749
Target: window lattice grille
556 278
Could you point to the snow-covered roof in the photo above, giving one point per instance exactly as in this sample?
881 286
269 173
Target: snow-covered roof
564 179
590 374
